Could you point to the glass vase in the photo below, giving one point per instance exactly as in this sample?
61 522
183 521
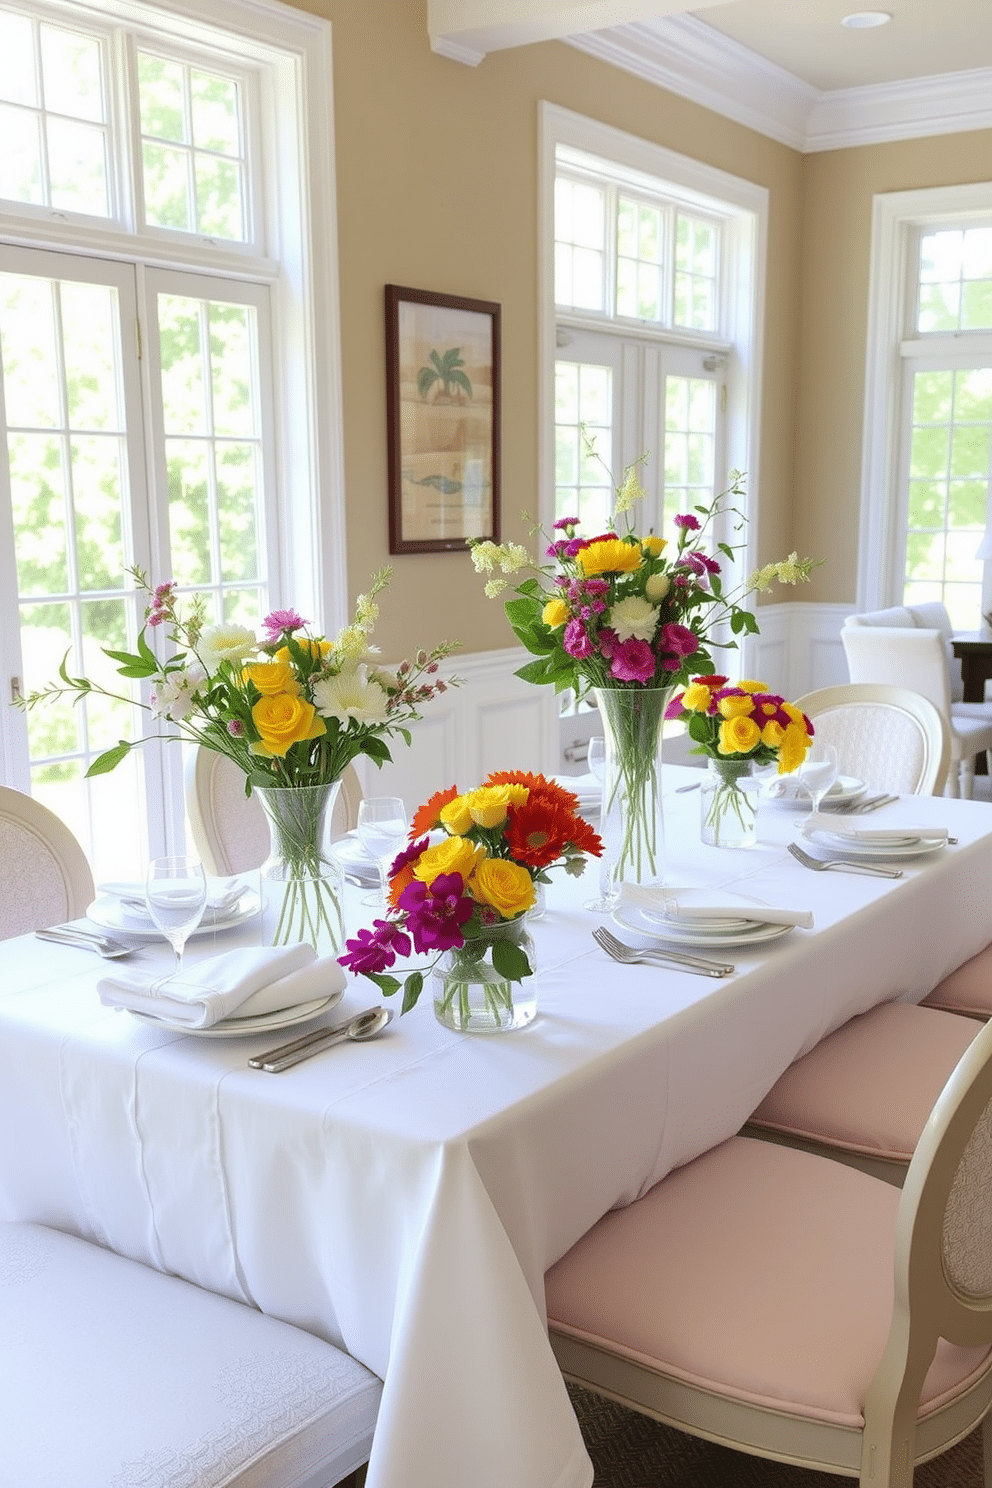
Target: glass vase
728 804
302 888
633 822
473 992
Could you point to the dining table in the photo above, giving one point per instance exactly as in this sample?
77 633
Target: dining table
403 1198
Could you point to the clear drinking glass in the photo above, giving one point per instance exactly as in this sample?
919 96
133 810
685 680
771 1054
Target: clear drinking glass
176 893
608 898
818 771
382 830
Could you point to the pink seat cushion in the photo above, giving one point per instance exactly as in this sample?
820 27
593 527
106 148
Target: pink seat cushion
759 1271
967 990
870 1086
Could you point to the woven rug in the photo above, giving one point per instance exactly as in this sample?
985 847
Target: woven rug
629 1450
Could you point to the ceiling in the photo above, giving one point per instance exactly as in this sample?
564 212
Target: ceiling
787 68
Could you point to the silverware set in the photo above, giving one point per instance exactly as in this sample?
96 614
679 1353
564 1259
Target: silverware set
628 955
73 935
859 808
842 865
357 1030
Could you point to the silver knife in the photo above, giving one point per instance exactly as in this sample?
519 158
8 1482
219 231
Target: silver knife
874 804
258 1060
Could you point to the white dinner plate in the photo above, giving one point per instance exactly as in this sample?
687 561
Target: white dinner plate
902 847
352 857
632 918
260 1023
845 790
108 912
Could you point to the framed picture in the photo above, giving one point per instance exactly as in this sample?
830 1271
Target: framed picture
442 370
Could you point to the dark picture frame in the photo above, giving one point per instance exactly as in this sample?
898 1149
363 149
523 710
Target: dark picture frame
443 420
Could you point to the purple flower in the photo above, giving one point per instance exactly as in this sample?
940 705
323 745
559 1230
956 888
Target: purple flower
677 639
634 661
575 640
376 949
435 912
235 728
699 563
687 522
563 523
609 641
674 709
280 621
556 549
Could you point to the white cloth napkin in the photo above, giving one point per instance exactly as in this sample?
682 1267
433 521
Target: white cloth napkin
710 904
247 981
223 895
822 821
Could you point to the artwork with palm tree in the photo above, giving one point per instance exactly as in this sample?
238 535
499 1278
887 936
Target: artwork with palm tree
442 361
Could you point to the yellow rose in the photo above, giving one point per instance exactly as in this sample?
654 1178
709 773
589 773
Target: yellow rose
796 714
697 698
489 805
555 613
610 555
284 720
653 545
792 750
735 707
738 736
453 855
772 734
456 816
505 886
314 646
271 677
753 686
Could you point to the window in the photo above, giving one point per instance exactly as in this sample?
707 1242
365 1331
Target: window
928 440
160 338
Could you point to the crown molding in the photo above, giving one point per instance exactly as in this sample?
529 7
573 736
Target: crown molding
689 58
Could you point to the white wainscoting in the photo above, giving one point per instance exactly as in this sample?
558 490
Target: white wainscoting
493 721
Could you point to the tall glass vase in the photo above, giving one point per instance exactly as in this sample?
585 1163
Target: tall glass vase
633 820
302 888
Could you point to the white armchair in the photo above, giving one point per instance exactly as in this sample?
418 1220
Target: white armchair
890 646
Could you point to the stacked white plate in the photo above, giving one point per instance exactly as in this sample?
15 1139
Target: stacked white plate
870 844
130 917
784 791
353 859
742 925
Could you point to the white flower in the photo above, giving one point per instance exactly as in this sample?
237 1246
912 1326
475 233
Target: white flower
225 643
175 695
351 694
657 586
634 619
510 557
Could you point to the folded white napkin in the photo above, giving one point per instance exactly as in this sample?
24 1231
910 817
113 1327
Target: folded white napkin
710 904
223 895
248 981
822 821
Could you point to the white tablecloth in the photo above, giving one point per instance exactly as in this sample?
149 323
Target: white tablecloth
403 1198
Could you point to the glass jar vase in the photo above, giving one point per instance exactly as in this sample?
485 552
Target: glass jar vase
302 888
728 804
478 987
633 822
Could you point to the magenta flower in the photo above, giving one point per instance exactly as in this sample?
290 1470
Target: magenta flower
436 912
235 728
699 563
279 622
687 522
634 661
677 641
563 523
575 640
674 709
375 950
609 642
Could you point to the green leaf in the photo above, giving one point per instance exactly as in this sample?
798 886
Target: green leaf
541 672
387 984
510 961
737 622
145 651
108 761
139 669
376 749
521 611
412 988
127 658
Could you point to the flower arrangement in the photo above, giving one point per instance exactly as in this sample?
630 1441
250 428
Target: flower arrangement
737 725
492 845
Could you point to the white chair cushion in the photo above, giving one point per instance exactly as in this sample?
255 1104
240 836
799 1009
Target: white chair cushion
116 1376
967 990
760 1271
871 1086
895 615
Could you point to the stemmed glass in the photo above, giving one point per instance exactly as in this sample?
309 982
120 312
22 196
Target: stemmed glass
176 894
382 829
818 770
608 898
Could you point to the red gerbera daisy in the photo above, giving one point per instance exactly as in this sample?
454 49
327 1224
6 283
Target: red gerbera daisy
428 816
538 832
538 785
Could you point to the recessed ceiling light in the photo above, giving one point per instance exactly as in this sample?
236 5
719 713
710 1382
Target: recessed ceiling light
864 20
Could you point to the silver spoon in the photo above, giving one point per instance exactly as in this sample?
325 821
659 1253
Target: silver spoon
366 1026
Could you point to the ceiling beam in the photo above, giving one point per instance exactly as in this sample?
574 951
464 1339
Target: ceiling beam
466 30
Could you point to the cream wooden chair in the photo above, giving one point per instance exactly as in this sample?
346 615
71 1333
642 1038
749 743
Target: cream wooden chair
892 738
797 1309
917 657
228 828
46 877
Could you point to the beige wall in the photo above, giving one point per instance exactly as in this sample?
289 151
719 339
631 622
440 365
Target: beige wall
437 189
836 244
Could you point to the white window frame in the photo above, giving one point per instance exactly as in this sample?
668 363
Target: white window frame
289 53
744 236
898 218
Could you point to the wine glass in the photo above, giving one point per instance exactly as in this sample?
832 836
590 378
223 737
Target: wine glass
176 894
382 829
818 770
608 896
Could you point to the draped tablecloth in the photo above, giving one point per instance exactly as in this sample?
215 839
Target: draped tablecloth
403 1198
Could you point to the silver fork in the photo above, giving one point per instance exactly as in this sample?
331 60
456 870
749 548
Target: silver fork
85 940
628 955
843 865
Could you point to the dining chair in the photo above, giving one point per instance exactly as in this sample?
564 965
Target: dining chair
968 990
112 1373
790 1307
229 829
917 657
891 738
46 876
